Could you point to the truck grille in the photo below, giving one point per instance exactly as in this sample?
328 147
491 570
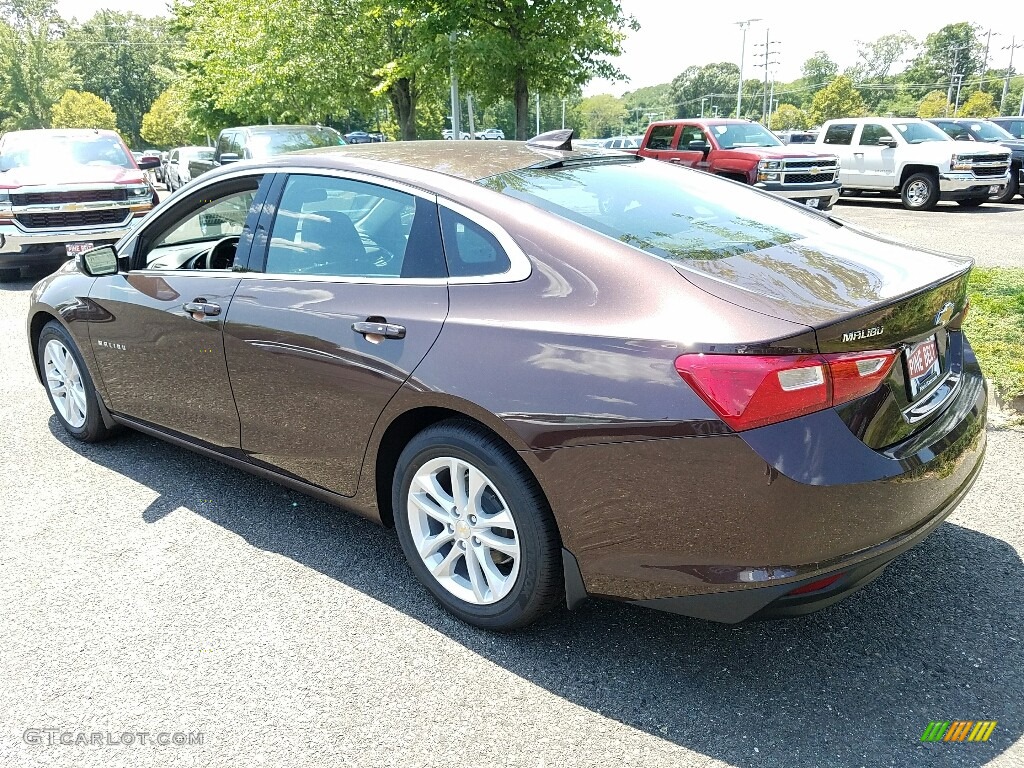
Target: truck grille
809 178
67 219
998 170
117 195
819 163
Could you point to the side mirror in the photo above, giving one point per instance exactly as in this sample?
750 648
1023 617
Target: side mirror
98 262
887 141
229 157
148 163
697 146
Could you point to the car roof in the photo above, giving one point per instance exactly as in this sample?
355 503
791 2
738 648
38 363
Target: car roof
279 128
470 160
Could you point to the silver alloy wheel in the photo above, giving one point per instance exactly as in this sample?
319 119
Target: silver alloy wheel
65 383
918 192
463 530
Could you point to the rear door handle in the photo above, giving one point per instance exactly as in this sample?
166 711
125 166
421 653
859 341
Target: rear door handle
200 308
387 330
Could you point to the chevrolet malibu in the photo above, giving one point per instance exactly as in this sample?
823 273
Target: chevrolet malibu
556 373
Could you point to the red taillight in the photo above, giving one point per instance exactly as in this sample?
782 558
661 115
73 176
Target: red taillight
814 586
748 391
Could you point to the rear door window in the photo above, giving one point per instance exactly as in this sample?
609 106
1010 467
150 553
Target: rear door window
839 133
661 137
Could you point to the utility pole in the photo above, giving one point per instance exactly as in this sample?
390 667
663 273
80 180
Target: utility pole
953 75
744 25
767 64
988 42
472 120
959 81
456 104
538 113
1006 80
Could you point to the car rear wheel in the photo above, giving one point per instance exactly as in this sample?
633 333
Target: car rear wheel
920 192
68 385
475 527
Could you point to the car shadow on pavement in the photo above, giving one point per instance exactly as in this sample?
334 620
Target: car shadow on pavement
937 638
882 202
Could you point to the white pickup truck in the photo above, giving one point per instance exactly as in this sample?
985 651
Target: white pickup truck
914 158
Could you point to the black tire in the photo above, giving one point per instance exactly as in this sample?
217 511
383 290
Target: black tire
852 192
920 192
1011 189
539 584
972 202
9 274
93 429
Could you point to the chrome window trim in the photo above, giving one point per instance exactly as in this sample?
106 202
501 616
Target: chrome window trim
521 266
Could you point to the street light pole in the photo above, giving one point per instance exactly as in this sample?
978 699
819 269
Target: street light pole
744 25
538 113
456 105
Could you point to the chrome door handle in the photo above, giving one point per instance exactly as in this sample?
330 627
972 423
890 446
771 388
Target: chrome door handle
201 307
387 330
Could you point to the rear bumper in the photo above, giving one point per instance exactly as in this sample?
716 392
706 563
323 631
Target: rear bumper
20 248
725 526
962 186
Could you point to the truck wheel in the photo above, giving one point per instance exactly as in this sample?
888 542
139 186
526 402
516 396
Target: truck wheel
920 192
1011 189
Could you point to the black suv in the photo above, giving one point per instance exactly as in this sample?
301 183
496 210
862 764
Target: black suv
992 132
258 142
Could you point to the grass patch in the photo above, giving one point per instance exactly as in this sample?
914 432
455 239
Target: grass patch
995 327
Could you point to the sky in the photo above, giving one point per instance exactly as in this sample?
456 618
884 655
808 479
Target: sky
673 35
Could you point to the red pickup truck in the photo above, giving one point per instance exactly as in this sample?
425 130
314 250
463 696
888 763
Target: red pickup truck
746 151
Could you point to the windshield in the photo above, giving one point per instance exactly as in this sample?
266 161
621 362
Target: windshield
44 149
677 214
986 131
279 142
733 135
919 132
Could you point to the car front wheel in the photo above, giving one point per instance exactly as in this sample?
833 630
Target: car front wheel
1010 190
475 527
920 192
68 385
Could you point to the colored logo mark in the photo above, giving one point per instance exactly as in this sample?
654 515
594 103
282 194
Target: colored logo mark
959 730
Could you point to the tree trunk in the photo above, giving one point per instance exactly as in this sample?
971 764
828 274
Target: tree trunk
403 99
521 99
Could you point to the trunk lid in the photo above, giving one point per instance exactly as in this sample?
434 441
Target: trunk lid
861 293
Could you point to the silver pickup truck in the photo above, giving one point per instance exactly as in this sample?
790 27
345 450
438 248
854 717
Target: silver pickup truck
66 191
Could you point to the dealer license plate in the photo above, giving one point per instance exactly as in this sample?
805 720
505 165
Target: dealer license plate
813 202
922 365
73 249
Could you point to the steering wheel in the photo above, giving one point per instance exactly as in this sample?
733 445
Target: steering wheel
222 255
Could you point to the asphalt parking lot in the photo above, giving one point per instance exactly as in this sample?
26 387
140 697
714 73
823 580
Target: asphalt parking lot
147 589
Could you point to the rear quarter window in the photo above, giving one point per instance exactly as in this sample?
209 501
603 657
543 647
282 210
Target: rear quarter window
470 250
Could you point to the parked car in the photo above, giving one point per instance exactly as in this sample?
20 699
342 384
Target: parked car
257 142
797 137
557 373
1012 125
448 134
622 142
969 129
161 170
749 153
491 134
65 191
917 160
359 137
179 171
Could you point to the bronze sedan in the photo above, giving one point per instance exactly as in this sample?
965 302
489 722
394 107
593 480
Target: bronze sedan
556 373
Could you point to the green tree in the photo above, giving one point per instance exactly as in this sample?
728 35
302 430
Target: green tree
126 60
35 67
954 49
705 86
81 109
602 115
978 104
818 71
167 123
515 48
934 104
837 99
654 100
876 59
788 117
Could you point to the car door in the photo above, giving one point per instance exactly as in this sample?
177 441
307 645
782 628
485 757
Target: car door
161 356
839 140
875 163
346 293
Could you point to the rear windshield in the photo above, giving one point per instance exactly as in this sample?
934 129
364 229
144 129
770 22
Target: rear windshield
56 150
674 213
267 144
